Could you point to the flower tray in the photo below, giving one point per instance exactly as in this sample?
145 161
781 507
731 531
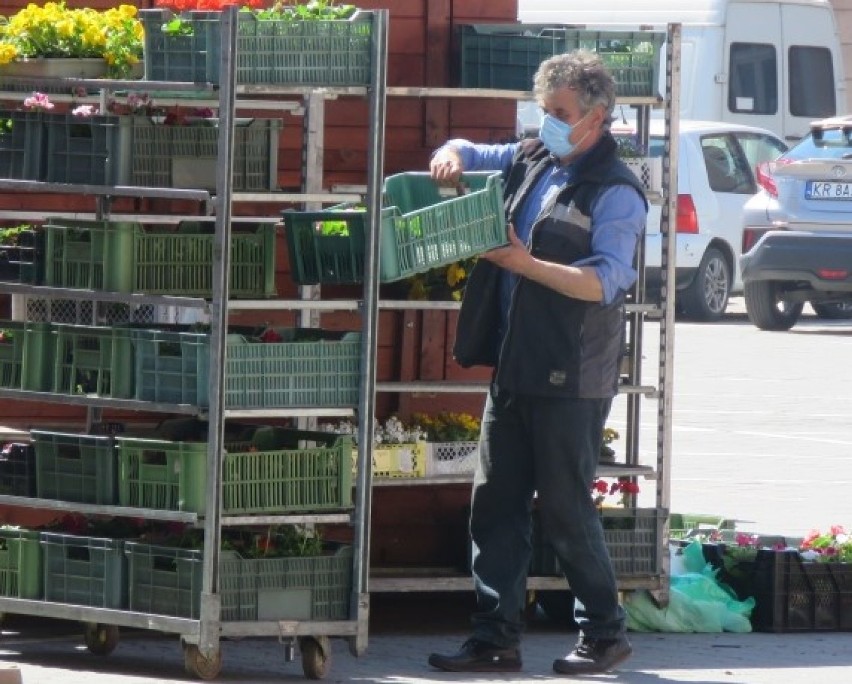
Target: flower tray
306 368
186 156
88 571
423 227
269 52
72 467
20 564
20 147
126 257
26 359
396 460
451 458
793 595
277 471
508 55
288 588
24 261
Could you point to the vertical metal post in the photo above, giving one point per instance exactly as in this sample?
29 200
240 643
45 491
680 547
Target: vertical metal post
667 273
312 163
210 600
369 328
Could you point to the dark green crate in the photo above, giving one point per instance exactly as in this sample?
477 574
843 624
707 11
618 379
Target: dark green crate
127 257
306 368
186 156
83 149
20 564
423 227
21 145
507 56
93 360
278 470
18 469
164 580
26 359
290 588
269 52
73 467
23 262
88 571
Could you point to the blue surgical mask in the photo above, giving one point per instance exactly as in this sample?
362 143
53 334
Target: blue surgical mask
554 133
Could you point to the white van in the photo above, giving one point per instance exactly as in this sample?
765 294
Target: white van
776 64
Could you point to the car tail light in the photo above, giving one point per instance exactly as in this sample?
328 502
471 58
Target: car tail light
751 236
764 177
833 273
687 217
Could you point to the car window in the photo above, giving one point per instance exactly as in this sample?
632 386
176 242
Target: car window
759 148
829 144
727 171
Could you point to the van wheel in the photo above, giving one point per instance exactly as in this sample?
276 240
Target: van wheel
706 298
833 311
767 308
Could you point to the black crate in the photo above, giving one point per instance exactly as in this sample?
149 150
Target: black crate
23 262
794 595
17 469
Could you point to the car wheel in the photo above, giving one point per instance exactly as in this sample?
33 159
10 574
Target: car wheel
706 298
834 311
767 308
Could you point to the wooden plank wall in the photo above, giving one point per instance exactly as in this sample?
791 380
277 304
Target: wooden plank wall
422 52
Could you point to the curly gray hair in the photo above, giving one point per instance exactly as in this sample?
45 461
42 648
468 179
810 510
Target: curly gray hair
580 70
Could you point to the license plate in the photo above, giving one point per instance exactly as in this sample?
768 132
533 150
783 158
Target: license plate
828 190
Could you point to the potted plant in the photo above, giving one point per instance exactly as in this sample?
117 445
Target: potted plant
53 40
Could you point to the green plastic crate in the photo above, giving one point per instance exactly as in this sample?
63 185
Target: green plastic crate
288 471
633 538
424 226
21 146
269 52
507 55
26 359
24 261
20 564
83 149
126 257
93 360
307 368
88 571
187 156
72 467
290 588
164 580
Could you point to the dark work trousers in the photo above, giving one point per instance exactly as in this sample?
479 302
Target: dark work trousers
550 447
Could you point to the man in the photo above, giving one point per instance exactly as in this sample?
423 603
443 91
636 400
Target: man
547 312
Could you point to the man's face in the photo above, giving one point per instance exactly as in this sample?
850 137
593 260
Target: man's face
564 104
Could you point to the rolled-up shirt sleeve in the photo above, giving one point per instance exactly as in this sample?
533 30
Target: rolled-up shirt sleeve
481 157
618 222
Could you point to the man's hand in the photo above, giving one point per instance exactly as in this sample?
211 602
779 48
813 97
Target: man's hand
446 166
513 257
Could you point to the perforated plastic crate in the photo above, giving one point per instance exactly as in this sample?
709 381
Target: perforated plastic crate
73 467
26 356
83 149
21 145
88 571
423 226
396 460
187 156
278 52
93 360
164 580
290 588
451 458
633 538
307 368
20 564
126 257
23 262
17 469
278 470
508 55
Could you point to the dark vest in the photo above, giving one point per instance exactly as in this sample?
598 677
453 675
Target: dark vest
556 345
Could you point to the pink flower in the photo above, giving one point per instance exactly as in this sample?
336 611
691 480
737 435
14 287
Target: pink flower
38 101
84 110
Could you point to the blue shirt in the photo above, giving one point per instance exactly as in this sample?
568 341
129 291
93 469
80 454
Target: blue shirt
618 217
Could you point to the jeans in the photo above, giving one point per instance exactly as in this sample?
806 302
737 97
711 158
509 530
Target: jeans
547 446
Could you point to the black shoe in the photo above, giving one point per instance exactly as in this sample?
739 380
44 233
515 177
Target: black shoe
593 656
479 656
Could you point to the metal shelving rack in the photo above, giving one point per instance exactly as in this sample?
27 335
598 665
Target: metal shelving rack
201 637
638 311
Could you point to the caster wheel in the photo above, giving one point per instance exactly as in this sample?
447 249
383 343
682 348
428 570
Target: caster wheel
196 664
100 639
316 656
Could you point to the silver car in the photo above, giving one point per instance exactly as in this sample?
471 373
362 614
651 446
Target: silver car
797 230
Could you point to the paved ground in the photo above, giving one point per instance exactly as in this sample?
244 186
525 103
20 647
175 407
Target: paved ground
405 629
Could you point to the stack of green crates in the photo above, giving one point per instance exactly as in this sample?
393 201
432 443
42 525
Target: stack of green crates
275 471
123 256
423 226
